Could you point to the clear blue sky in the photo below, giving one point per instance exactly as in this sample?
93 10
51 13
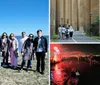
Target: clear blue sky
24 15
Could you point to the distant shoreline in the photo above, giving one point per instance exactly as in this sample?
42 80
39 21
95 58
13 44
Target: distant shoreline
34 35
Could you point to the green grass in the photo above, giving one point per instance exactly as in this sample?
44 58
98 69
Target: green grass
94 37
54 38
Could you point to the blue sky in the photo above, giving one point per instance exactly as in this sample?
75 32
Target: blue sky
24 15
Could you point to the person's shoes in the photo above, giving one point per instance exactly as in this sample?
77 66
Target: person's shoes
3 65
19 70
30 66
15 67
27 70
12 67
37 71
42 72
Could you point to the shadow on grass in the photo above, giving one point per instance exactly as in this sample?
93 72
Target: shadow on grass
18 68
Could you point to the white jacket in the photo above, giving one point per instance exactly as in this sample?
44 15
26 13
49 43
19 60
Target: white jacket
70 29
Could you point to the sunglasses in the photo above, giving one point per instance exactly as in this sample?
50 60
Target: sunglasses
4 35
12 36
31 36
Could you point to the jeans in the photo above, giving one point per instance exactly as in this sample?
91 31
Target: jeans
29 63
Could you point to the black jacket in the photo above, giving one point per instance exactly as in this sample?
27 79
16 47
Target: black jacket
44 43
2 46
5 47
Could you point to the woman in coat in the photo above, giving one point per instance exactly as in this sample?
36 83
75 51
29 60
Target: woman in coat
28 51
13 51
4 45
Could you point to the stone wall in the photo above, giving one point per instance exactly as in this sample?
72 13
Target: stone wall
52 17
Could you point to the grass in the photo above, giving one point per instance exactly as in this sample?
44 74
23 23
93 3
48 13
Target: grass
94 37
54 38
14 77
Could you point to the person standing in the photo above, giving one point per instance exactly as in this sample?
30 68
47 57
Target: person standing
13 51
71 31
41 46
67 33
4 45
28 51
63 31
22 40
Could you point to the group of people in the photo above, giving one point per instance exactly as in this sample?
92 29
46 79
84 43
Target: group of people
9 47
64 31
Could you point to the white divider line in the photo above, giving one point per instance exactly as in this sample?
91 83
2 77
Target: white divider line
74 40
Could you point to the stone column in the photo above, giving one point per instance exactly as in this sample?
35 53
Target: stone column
70 12
52 17
58 12
87 14
74 14
81 14
61 2
67 12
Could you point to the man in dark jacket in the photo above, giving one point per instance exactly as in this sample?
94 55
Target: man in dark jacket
40 46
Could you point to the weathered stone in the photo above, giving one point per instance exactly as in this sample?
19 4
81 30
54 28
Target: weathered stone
74 12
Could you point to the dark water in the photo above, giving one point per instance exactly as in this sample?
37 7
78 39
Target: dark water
89 74
19 37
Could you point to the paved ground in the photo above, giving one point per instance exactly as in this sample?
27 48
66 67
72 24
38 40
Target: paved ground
78 37
14 77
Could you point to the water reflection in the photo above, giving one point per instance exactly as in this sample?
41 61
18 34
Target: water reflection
61 72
